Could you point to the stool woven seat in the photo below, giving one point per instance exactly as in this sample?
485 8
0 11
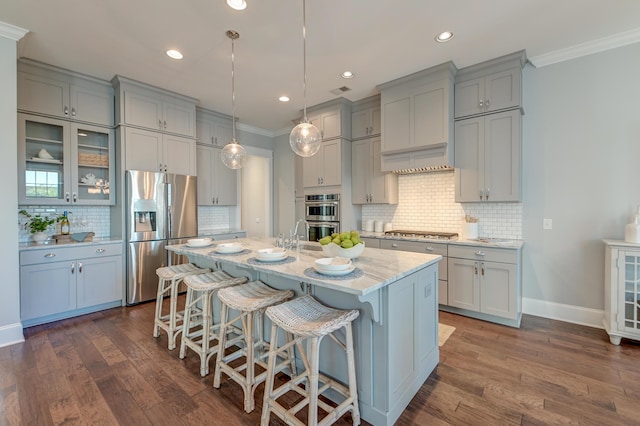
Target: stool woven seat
198 327
250 300
305 316
309 321
169 277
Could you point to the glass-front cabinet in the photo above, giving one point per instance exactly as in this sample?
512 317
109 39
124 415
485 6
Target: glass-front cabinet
64 163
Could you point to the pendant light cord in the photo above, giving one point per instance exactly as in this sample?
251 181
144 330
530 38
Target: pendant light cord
233 89
304 57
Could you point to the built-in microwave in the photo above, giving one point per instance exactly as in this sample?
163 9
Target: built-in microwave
322 208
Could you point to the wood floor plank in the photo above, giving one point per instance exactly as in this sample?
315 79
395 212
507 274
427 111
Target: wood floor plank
106 368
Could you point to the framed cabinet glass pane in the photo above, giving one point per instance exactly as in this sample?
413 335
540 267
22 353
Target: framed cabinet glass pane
93 162
44 157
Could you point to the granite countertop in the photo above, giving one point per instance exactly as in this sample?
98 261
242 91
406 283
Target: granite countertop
380 267
52 243
481 242
214 232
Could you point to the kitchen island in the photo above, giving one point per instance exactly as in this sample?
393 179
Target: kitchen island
396 334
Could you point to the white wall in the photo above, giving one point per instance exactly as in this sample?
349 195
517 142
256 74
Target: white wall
10 326
581 168
256 196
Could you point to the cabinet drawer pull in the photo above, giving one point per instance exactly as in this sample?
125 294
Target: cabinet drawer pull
66 197
73 112
75 197
159 124
50 255
482 269
394 245
481 103
475 268
100 250
487 104
73 267
479 253
66 110
80 267
429 248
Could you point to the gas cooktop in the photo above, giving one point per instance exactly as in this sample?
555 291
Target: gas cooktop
422 234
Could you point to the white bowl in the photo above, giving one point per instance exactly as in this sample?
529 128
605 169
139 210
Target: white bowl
334 250
333 264
199 242
229 248
271 253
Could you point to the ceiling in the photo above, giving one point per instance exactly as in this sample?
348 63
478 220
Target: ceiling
379 40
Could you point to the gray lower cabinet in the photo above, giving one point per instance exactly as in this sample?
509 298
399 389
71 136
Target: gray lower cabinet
58 283
485 282
429 248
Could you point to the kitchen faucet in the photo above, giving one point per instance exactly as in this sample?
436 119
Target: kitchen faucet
307 226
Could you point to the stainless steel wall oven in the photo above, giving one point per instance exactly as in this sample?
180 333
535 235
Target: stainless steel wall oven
322 212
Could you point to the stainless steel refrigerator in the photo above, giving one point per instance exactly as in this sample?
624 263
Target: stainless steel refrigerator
161 209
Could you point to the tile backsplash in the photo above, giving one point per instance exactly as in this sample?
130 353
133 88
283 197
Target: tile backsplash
211 218
426 203
82 219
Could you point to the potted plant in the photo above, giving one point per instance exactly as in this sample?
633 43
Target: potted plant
38 225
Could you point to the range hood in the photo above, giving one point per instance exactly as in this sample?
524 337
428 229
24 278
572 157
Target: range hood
436 158
417 121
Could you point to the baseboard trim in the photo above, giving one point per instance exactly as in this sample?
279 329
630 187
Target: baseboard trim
11 334
561 312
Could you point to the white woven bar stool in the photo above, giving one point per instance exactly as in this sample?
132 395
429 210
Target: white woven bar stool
198 328
309 320
250 300
169 277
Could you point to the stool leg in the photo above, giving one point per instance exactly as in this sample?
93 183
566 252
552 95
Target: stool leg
291 355
268 385
206 332
313 356
186 323
351 368
159 298
173 312
250 371
222 342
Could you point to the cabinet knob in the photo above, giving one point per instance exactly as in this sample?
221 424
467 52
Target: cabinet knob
66 197
481 103
75 197
73 112
487 104
66 110
100 250
50 255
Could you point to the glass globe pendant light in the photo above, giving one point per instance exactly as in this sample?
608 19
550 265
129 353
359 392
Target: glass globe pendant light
233 155
305 138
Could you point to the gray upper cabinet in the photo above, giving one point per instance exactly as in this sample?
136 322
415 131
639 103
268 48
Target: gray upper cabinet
490 86
46 90
365 123
213 128
495 92
154 151
488 158
369 185
217 184
150 108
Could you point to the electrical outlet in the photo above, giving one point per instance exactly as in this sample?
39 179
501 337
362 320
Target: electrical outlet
547 224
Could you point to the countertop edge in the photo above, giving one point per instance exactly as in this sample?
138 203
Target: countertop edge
502 243
96 241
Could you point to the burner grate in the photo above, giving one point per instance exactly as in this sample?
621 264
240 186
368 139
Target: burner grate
422 234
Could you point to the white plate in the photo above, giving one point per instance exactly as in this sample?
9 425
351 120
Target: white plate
45 160
336 273
199 245
229 248
271 259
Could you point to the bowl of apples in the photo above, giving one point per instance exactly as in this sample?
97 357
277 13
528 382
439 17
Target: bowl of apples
344 244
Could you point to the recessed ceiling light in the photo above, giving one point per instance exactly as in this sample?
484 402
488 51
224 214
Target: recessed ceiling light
444 36
174 54
284 99
237 4
347 74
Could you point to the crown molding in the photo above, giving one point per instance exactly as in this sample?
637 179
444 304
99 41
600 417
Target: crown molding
11 31
255 130
588 48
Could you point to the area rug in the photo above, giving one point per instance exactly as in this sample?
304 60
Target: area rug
444 332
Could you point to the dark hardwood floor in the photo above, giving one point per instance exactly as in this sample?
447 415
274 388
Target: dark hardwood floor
106 369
